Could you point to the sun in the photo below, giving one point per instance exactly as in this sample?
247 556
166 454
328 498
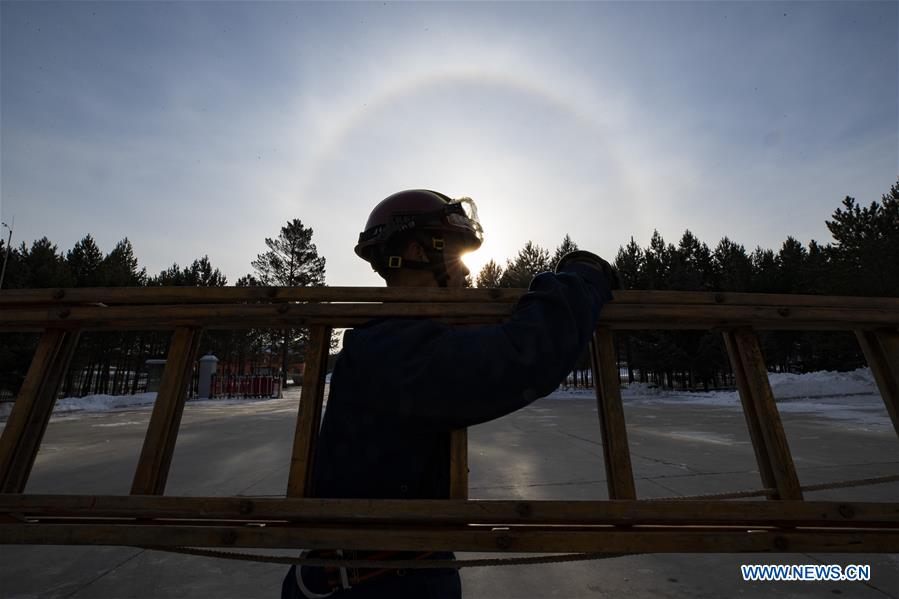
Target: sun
476 260
496 245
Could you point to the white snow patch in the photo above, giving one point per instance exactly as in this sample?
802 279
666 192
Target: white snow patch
822 384
851 396
785 386
73 407
103 403
847 396
91 404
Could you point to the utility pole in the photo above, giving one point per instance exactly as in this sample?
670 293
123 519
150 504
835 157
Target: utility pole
8 249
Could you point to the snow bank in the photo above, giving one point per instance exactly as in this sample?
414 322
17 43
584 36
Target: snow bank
815 391
822 384
846 396
93 404
784 385
103 403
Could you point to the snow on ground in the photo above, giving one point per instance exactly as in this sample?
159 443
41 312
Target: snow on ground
849 396
785 386
93 404
846 396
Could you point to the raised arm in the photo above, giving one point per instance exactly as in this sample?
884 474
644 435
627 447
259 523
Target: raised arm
459 377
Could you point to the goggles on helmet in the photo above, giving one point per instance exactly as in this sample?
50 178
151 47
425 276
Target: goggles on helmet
457 216
463 213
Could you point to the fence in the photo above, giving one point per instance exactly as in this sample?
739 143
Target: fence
250 385
623 525
83 382
223 386
583 379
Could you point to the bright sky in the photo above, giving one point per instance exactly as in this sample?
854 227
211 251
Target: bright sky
201 128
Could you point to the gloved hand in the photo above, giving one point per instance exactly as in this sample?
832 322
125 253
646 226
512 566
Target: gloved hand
593 260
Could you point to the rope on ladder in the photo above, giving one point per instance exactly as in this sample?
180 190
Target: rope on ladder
391 564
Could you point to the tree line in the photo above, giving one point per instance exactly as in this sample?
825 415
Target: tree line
111 362
862 259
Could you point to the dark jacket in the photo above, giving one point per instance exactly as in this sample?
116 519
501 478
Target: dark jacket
401 385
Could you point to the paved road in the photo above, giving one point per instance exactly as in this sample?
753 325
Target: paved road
549 450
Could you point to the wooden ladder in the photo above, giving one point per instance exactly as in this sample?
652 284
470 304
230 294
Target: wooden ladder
623 524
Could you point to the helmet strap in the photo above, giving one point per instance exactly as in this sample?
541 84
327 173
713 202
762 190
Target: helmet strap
433 247
437 266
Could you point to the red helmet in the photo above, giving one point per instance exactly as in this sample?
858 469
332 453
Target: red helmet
420 212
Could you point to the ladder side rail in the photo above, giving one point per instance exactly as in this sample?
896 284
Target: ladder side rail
56 297
881 349
606 540
747 513
459 464
269 315
309 417
607 386
757 389
31 411
753 422
159 443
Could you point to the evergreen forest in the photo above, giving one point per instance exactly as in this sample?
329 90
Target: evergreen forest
862 259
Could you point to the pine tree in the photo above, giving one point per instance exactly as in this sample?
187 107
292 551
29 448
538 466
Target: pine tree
172 276
204 275
530 261
888 223
247 281
791 261
658 262
815 274
292 260
199 274
631 265
732 267
566 247
764 271
867 245
490 275
691 264
85 260
15 276
119 267
45 265
853 227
